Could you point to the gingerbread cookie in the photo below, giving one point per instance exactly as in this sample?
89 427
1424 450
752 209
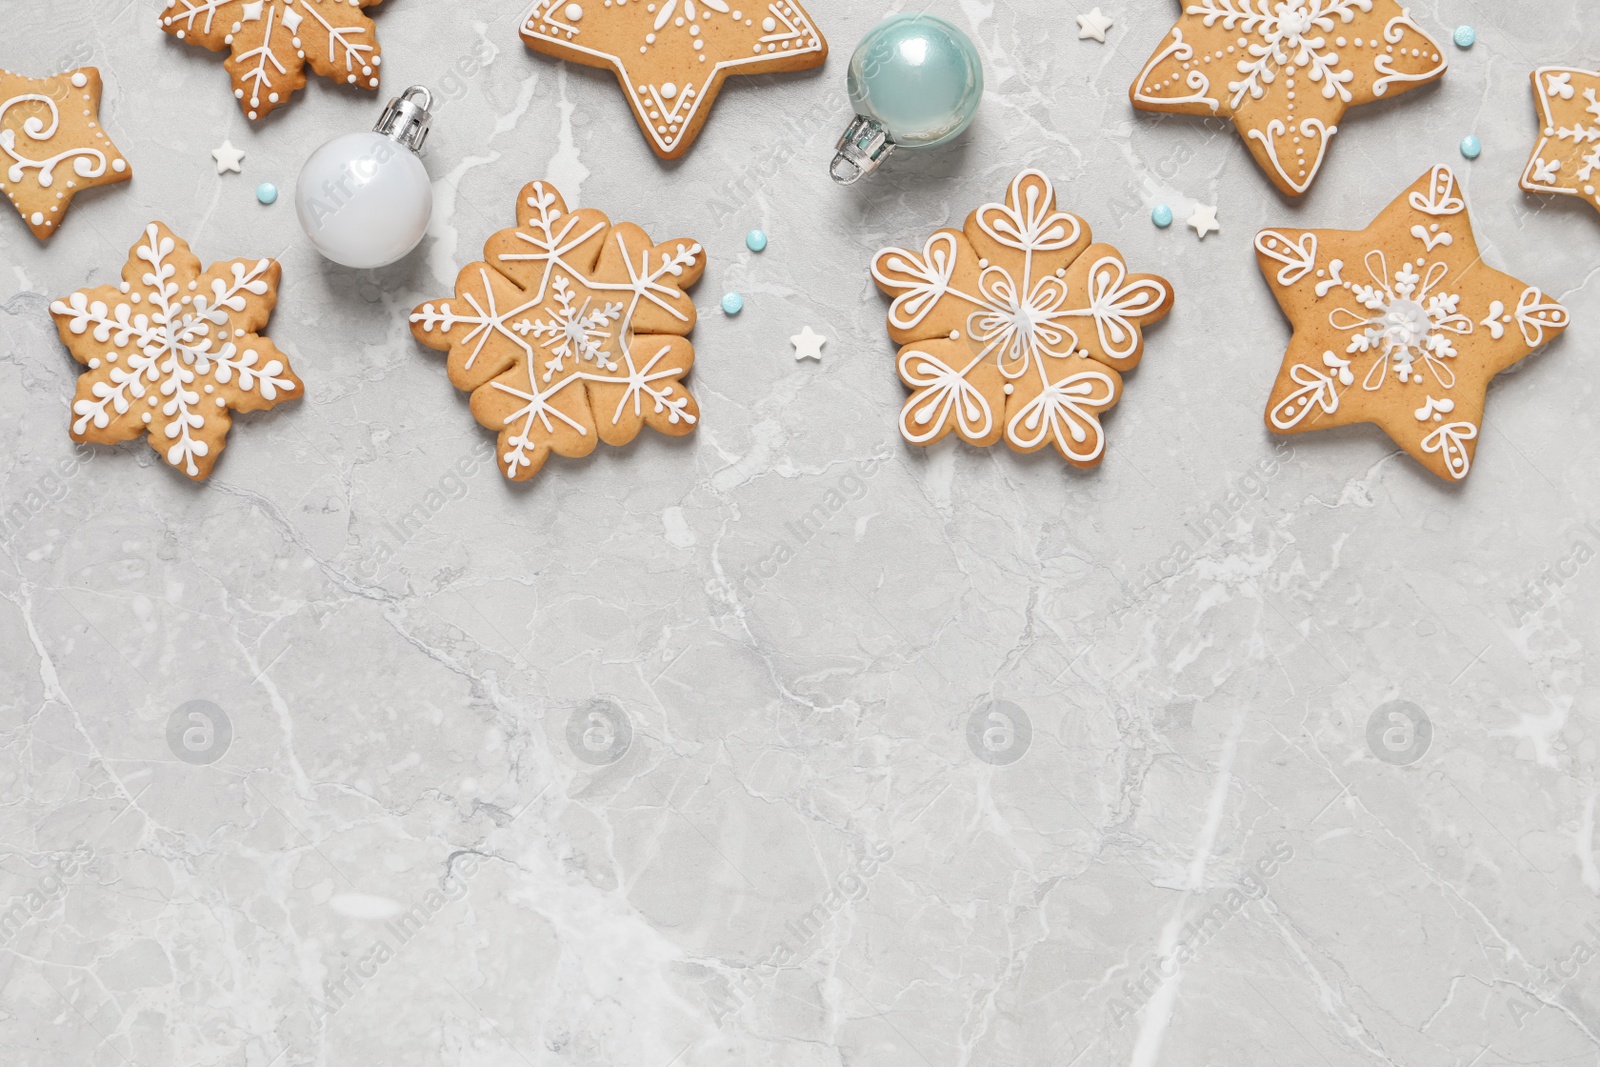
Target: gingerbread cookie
270 42
1285 71
571 332
672 56
1401 325
52 146
171 350
1567 157
1017 327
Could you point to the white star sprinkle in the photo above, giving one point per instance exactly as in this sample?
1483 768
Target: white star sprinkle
1204 220
227 157
252 11
1093 25
808 344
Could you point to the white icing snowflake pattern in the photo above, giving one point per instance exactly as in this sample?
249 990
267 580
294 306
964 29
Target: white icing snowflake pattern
1406 327
1048 325
566 361
672 67
1567 157
1287 70
170 351
271 41
1409 317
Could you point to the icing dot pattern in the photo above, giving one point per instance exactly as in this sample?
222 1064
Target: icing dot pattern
671 55
53 145
272 42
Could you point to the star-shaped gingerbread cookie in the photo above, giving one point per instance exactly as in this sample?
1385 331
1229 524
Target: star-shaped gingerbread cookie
1285 71
52 145
1567 157
672 56
1401 325
270 42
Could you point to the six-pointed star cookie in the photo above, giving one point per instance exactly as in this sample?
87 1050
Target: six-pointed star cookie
1285 71
271 41
1401 325
1567 158
169 351
52 146
672 56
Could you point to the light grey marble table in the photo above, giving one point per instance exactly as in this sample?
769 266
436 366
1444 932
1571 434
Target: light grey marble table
398 836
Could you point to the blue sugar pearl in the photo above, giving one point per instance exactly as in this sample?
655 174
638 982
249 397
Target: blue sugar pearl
1471 147
755 241
267 193
1466 36
1161 216
732 304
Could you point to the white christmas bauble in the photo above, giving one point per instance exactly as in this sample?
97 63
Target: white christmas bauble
364 200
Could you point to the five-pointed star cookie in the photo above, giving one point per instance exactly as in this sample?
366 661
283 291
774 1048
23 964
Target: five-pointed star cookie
1401 325
1285 71
171 350
52 146
1567 158
672 56
569 332
271 41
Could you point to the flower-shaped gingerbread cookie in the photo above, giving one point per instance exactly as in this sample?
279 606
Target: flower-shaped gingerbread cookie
171 350
1401 325
570 332
1567 157
52 145
1016 327
270 42
672 56
1285 71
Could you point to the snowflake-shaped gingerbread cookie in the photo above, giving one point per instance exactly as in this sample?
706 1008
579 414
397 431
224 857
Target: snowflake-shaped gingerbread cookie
1567 157
171 351
52 145
270 42
1401 325
1285 71
571 331
672 56
1016 327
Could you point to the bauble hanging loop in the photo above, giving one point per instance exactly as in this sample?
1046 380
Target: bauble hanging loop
915 82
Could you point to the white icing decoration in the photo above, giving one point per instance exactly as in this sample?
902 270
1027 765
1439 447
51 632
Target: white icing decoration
1451 439
1407 321
742 45
1567 158
171 343
1535 314
86 162
1020 323
579 332
1443 198
1408 318
1299 258
1276 52
1316 387
264 68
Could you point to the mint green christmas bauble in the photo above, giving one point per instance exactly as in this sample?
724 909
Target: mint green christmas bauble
919 76
915 81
